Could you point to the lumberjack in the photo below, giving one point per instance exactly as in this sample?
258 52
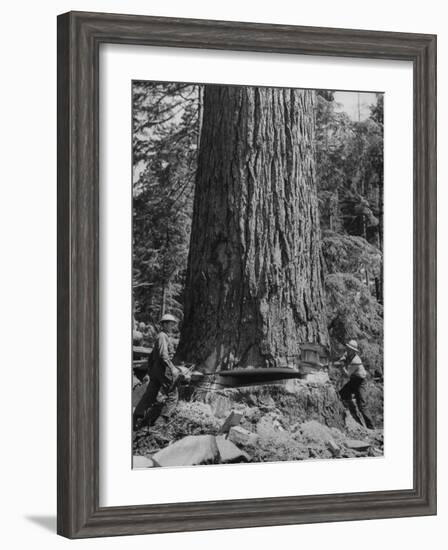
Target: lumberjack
162 375
356 386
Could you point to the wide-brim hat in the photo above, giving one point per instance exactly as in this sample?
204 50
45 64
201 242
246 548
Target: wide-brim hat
168 317
353 345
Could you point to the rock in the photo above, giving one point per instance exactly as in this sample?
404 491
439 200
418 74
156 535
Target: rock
233 419
374 451
266 403
241 436
191 450
314 432
269 424
229 452
353 427
143 462
334 449
357 445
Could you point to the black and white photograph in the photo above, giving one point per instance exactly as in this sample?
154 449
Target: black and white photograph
220 254
257 274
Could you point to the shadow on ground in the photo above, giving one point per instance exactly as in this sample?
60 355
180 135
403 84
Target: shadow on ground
46 522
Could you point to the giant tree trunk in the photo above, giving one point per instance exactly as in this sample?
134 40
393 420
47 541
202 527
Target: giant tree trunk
254 280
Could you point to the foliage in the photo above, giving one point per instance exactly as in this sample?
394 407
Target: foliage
165 119
350 190
350 254
354 313
189 418
192 418
349 160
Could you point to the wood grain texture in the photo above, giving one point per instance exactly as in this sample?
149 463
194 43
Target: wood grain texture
79 38
254 276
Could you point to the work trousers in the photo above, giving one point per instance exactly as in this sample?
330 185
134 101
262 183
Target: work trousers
357 387
149 398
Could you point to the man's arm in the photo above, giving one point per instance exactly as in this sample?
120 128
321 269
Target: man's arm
162 343
341 361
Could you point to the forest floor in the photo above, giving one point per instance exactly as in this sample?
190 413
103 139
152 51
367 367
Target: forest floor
270 427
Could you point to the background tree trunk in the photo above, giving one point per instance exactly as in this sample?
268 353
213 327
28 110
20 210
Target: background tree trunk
254 280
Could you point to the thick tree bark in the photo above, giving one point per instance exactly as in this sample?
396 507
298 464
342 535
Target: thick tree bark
254 279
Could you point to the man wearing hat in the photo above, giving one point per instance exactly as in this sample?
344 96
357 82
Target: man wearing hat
162 375
357 385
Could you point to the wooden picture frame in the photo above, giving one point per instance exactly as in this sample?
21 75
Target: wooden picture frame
79 38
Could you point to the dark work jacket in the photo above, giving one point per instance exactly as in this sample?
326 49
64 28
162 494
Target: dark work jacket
160 366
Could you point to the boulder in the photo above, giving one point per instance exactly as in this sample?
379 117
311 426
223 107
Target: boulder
191 450
357 445
233 419
229 452
241 436
334 448
143 462
316 433
354 428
